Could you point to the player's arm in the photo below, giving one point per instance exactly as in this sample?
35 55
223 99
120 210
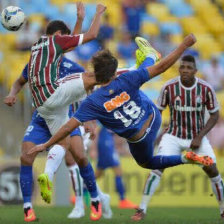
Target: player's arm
80 17
213 109
63 132
169 60
68 42
10 100
196 142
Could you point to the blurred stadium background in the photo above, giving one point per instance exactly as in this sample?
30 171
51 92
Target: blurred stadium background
164 23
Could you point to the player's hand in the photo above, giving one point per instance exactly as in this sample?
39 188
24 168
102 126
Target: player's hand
100 8
90 127
37 148
189 40
10 100
80 10
196 142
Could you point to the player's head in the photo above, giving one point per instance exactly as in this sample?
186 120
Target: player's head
105 66
57 26
187 68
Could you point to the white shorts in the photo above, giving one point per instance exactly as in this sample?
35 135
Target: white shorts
172 145
55 108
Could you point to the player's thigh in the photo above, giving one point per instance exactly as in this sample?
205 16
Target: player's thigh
54 118
77 150
169 145
206 149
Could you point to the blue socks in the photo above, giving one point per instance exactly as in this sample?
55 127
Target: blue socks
26 182
88 176
120 187
147 62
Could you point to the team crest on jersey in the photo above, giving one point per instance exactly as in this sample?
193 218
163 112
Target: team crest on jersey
198 99
116 102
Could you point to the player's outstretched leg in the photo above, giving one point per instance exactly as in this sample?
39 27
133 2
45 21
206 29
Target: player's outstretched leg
193 158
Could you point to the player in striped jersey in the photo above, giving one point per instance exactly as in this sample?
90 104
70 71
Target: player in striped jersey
187 97
52 97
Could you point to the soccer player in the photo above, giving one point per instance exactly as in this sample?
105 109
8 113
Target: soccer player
187 98
120 107
108 158
52 97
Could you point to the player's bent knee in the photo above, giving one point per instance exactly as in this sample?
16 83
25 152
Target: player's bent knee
26 159
82 161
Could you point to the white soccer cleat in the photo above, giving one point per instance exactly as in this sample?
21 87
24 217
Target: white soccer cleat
106 209
76 213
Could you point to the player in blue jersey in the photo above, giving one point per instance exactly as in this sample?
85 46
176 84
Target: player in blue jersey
108 158
119 106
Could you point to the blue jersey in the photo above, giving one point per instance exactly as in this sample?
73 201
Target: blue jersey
119 106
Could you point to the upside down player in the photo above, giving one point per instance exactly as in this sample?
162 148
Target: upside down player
120 107
187 98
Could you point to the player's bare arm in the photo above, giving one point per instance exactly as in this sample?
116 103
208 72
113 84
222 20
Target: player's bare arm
95 26
169 60
63 132
80 17
10 100
196 142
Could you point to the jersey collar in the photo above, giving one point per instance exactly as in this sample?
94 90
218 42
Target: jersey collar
188 88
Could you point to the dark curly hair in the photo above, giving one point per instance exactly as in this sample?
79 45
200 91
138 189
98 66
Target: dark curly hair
57 25
104 65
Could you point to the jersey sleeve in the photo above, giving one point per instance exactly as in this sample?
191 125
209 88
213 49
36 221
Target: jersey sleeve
25 72
211 100
86 111
136 78
68 41
163 98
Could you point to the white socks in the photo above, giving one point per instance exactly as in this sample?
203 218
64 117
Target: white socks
54 159
217 187
27 205
77 183
150 187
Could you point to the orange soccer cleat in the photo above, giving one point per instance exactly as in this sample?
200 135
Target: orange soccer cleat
29 215
193 158
96 210
126 204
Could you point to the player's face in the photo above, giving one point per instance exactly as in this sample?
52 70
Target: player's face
187 70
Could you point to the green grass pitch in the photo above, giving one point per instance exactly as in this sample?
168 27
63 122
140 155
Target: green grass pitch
160 215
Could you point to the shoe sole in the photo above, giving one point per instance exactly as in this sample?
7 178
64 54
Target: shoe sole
43 184
202 160
143 43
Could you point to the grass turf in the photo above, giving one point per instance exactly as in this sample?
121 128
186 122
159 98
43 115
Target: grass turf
160 215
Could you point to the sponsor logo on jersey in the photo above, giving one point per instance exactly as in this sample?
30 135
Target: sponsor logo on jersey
116 102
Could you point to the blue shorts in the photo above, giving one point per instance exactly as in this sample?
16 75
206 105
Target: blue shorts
143 149
38 132
109 159
107 155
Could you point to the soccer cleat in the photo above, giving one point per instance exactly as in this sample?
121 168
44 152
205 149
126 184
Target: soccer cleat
76 213
193 158
140 57
29 215
139 215
96 210
106 209
45 187
146 48
126 204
